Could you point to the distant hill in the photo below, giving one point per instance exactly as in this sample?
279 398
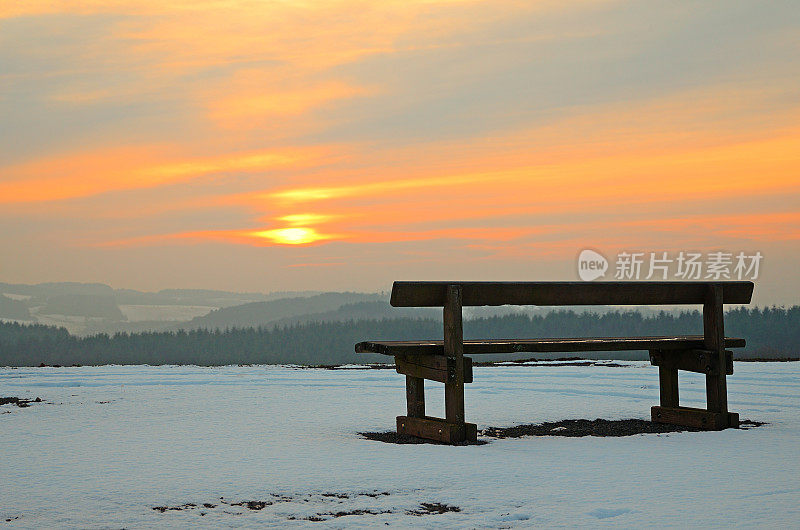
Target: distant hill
83 305
374 310
41 292
86 308
200 297
13 309
267 313
46 290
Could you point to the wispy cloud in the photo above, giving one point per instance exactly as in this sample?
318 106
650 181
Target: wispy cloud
113 169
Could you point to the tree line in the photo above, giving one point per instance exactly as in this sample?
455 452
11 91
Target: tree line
770 332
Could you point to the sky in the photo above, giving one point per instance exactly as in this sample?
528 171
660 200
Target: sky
343 144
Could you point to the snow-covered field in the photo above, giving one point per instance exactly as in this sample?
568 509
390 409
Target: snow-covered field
111 443
141 313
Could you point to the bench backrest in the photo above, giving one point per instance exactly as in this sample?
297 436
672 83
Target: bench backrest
432 294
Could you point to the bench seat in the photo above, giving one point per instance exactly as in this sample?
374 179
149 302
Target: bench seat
477 347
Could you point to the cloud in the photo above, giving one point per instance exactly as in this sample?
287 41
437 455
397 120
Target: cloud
114 169
253 101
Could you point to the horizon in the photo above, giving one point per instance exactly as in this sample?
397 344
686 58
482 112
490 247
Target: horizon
755 303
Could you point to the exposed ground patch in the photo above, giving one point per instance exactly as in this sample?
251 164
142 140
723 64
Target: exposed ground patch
431 508
391 437
749 424
20 402
582 427
568 428
336 503
597 427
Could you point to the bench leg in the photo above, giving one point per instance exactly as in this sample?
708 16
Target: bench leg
714 340
692 417
711 360
415 396
454 349
454 402
717 388
668 385
717 397
670 410
453 428
437 429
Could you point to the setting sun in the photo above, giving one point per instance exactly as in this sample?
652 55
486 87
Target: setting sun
291 236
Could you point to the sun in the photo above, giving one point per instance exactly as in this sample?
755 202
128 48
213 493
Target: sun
291 236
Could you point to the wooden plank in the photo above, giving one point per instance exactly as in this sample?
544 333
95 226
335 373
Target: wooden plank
432 367
489 346
432 294
435 362
692 417
422 372
668 386
696 360
437 429
714 341
415 396
453 346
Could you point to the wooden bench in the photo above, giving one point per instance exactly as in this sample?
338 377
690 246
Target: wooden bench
444 360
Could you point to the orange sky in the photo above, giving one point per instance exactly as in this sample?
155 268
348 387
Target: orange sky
337 145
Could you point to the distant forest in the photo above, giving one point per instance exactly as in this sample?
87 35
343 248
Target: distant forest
770 332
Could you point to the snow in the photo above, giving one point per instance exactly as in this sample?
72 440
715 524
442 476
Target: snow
145 313
76 325
17 296
111 443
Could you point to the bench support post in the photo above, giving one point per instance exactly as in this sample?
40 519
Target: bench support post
436 429
668 385
415 396
716 415
453 369
713 338
454 349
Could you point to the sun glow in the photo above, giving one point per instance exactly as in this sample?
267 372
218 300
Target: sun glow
305 218
291 236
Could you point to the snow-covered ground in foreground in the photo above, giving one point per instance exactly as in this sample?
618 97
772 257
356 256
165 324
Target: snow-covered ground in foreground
119 440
